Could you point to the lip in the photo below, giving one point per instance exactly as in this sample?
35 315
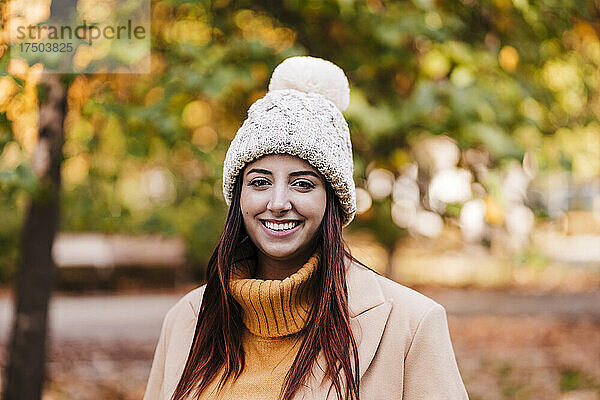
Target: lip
280 234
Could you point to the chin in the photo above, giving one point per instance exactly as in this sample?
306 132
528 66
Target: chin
279 254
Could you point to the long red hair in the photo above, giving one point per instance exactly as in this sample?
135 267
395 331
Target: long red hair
327 329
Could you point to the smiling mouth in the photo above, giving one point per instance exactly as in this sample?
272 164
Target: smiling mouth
286 226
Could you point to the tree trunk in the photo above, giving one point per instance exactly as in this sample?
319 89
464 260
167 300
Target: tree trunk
389 267
25 372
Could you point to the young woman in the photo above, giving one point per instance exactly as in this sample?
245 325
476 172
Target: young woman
287 312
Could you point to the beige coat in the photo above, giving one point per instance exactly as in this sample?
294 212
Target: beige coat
402 336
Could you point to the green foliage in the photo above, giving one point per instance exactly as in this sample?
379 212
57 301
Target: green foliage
378 222
20 178
12 206
498 74
572 379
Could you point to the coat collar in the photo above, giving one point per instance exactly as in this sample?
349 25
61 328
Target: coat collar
364 292
369 312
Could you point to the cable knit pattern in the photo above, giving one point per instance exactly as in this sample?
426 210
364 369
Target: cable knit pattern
274 308
303 124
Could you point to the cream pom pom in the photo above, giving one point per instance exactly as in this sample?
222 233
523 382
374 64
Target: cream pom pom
313 75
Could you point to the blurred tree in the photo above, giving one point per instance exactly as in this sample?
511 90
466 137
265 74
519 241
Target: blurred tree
26 365
145 152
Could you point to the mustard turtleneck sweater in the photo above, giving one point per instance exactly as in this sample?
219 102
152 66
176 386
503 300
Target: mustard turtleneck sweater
274 314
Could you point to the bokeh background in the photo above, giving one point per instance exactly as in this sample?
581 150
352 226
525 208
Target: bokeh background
476 138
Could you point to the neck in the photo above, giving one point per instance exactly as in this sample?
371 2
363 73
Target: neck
271 268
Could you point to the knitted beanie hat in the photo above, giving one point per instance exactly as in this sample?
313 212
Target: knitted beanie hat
300 115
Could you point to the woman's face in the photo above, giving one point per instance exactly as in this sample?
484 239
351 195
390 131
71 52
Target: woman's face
282 201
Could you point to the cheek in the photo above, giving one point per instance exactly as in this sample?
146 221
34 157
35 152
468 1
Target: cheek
243 204
250 203
315 207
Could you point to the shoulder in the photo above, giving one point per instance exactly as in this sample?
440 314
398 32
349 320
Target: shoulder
174 344
406 303
400 294
186 308
407 314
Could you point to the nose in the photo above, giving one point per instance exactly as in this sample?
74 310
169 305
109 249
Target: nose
279 203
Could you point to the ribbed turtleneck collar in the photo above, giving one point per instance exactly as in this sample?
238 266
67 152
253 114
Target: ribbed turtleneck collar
274 308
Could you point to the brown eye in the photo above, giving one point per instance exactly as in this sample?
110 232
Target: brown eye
304 184
258 182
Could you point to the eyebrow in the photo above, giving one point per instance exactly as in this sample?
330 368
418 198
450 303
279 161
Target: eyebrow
259 171
301 173
295 173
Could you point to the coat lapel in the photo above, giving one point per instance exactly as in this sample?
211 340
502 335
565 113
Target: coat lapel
369 312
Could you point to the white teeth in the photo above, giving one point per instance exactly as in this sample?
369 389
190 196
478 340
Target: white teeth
280 227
